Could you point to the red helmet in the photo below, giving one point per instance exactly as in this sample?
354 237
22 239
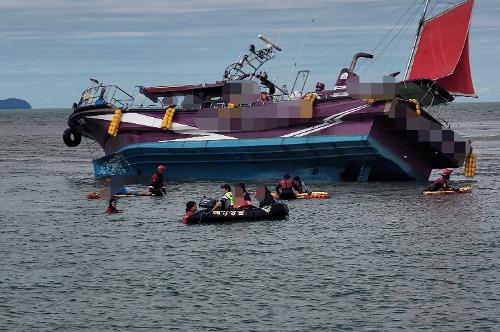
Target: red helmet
161 168
93 195
446 171
320 86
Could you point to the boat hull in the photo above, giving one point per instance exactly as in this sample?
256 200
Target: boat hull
355 157
344 140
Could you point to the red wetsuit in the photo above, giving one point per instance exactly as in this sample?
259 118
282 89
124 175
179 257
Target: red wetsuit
111 210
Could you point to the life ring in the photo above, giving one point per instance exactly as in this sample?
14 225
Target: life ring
71 138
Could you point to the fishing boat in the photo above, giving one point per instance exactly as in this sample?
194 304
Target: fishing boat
247 126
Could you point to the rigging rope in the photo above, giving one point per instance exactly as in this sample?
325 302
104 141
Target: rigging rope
404 27
288 82
409 23
366 63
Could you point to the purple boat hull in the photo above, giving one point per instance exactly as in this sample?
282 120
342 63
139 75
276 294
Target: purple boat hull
345 139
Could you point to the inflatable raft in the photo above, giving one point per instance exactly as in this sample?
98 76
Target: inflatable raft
275 211
462 190
312 195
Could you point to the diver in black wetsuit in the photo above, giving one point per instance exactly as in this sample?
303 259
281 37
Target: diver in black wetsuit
157 188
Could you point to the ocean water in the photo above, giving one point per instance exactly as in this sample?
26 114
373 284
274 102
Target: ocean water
374 257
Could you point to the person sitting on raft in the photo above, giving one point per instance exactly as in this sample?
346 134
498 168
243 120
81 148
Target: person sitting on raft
242 199
299 185
264 196
190 210
157 188
246 195
227 200
285 188
442 182
112 206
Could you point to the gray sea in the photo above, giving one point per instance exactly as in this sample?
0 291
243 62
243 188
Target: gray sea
374 257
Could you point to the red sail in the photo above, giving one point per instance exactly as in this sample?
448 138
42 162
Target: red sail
443 51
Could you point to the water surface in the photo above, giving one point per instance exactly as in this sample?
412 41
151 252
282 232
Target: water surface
376 256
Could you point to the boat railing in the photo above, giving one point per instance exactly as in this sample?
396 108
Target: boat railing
111 95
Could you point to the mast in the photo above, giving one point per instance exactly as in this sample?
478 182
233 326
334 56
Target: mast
420 24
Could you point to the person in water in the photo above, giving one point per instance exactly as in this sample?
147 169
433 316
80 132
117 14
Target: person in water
227 200
118 189
115 187
299 185
264 196
156 187
442 182
112 206
242 199
191 209
285 188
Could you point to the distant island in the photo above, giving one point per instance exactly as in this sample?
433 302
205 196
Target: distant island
14 103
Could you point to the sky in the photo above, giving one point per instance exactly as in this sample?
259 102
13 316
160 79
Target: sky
50 48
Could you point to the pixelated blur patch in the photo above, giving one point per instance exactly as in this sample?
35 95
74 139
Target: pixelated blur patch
260 116
241 92
384 90
188 102
445 141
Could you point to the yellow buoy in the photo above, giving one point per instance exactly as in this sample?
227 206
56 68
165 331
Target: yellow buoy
115 123
166 123
470 165
310 97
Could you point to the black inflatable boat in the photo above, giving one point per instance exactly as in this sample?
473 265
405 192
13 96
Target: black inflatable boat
277 210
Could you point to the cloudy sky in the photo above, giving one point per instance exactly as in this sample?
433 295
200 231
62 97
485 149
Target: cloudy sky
49 48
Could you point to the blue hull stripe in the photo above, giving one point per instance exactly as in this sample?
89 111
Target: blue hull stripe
313 157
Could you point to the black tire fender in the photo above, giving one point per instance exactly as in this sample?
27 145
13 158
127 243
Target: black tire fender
72 138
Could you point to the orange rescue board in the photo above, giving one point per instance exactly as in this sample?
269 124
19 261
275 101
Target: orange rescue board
313 195
462 190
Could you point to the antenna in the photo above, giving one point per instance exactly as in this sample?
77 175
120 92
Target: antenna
267 41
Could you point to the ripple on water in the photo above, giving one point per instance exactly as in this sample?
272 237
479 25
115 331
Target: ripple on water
373 257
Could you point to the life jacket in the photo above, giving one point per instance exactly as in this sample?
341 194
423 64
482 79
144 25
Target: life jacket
244 205
229 200
286 186
186 216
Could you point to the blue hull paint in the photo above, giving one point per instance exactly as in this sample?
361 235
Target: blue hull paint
312 158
